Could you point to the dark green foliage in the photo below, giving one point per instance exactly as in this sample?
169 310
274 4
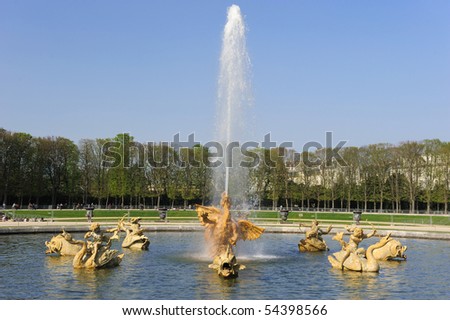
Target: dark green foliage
122 173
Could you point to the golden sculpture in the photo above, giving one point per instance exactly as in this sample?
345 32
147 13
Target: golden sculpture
135 238
222 233
357 260
392 250
351 257
95 252
355 239
313 241
63 244
226 264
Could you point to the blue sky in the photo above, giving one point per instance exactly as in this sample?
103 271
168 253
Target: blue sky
368 71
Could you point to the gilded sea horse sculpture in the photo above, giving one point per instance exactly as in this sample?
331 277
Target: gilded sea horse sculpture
313 241
63 244
135 238
96 251
222 233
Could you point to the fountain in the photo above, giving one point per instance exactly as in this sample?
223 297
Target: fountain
222 232
174 271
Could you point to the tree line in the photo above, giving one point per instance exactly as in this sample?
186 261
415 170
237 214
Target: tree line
117 172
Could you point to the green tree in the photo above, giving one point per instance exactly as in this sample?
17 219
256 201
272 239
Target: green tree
309 172
184 175
351 157
6 150
431 173
117 173
444 153
411 153
278 174
59 157
158 169
381 161
87 166
99 188
259 176
202 173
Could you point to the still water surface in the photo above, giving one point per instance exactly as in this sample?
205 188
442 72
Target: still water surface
176 267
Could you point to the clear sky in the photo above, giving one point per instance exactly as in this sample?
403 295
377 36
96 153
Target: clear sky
368 71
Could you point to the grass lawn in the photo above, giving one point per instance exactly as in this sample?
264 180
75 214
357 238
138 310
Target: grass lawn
294 216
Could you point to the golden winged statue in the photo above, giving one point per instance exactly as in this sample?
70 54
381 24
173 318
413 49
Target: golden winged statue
221 231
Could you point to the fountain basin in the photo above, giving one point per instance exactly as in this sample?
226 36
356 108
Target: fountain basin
176 268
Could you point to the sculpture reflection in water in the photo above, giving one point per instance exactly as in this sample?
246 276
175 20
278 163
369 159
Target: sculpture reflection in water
63 244
222 234
313 241
96 251
353 258
135 238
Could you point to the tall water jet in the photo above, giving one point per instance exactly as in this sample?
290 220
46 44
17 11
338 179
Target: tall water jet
234 100
222 231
